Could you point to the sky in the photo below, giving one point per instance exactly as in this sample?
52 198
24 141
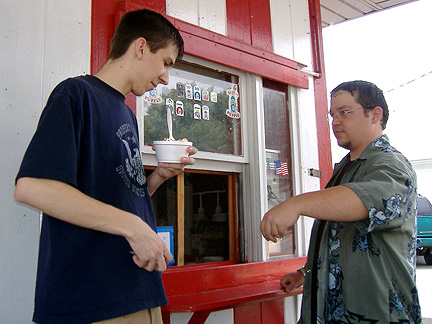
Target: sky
393 49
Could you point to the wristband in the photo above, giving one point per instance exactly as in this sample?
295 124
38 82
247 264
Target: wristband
302 270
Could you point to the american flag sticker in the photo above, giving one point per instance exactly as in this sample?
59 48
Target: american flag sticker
281 168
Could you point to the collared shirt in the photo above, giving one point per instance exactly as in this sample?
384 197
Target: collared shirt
366 269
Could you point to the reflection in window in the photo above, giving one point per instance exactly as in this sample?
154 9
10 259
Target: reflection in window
278 156
204 106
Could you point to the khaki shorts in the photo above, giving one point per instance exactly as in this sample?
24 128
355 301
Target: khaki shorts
146 316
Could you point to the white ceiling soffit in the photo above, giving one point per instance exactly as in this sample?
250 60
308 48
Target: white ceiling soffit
337 11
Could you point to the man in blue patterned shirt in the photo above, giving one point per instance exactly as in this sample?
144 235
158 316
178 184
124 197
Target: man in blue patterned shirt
361 259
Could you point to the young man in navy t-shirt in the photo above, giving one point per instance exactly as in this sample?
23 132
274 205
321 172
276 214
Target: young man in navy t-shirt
83 170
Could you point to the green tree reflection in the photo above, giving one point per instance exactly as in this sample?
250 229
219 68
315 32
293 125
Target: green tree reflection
213 135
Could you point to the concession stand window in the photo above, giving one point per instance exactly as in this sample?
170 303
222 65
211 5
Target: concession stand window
200 204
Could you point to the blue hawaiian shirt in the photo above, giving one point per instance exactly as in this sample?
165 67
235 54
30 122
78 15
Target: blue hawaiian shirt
366 269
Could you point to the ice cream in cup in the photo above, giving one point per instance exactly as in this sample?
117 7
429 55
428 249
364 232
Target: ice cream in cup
169 151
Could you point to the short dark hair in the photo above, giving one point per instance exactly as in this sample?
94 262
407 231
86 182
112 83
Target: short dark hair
366 94
158 31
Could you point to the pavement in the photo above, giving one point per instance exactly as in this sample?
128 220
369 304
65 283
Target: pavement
424 286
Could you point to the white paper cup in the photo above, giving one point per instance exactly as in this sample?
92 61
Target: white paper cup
171 151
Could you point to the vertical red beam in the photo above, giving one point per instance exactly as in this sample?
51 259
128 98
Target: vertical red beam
250 22
238 21
320 90
249 313
272 311
102 29
166 318
261 24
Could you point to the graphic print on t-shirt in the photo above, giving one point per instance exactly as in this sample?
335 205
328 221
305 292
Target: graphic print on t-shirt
131 170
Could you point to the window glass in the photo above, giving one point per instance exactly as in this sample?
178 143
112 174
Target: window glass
278 156
206 224
205 220
204 107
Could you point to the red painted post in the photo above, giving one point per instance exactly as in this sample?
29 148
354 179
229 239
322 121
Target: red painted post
321 106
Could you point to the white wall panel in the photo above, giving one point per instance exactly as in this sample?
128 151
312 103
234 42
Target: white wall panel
292 309
282 29
186 10
21 45
301 32
212 15
208 14
67 41
41 43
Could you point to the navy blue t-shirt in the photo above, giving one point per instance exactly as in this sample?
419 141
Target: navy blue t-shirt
87 137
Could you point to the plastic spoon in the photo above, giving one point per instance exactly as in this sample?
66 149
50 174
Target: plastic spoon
169 122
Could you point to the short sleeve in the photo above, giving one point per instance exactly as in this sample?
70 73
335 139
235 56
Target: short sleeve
387 190
52 152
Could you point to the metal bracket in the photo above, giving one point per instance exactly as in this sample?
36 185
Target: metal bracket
315 173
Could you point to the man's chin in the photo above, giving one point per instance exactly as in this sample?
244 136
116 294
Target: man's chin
343 144
138 93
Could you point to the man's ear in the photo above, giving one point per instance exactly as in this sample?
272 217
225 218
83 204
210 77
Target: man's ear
377 114
140 47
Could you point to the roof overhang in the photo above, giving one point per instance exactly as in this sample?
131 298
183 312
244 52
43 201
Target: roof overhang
337 11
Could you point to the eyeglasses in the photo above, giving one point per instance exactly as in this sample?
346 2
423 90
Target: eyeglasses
340 114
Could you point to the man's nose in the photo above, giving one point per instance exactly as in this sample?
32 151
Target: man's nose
335 121
165 77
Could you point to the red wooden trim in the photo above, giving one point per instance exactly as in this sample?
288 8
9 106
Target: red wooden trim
220 49
238 21
155 5
191 29
102 29
261 24
166 318
250 22
219 299
272 312
248 314
320 90
198 42
193 279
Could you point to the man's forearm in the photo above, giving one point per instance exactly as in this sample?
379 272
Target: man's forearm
154 180
68 204
334 204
